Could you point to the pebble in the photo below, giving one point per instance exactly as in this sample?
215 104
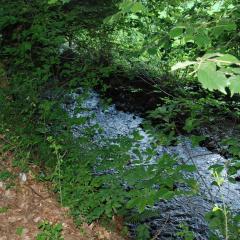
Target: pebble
37 219
23 177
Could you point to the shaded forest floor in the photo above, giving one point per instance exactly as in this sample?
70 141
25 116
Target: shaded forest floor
25 202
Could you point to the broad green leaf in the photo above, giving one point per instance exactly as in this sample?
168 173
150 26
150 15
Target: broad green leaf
190 30
181 65
217 31
211 55
131 203
212 79
189 38
228 26
152 51
202 39
196 140
111 19
190 124
235 70
228 58
143 232
234 84
176 31
126 6
138 7
223 26
218 168
227 69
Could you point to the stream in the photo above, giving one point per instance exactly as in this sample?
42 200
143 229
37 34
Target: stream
188 210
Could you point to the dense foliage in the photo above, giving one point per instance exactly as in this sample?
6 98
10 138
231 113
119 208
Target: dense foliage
184 54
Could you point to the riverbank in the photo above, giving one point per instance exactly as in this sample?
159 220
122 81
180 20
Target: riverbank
29 208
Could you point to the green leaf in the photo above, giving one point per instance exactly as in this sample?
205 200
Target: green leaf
223 26
131 203
5 175
217 168
111 19
143 232
19 231
126 6
202 39
52 1
152 51
196 140
190 124
211 55
25 46
212 79
176 31
3 210
228 58
234 84
228 26
188 168
181 65
235 70
138 7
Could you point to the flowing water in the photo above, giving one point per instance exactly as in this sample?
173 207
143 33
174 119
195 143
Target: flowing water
189 210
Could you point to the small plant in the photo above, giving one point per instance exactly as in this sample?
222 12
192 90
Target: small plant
57 151
223 223
3 209
19 231
143 232
185 233
49 231
5 175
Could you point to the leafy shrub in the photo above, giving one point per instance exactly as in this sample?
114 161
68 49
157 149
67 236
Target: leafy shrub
49 231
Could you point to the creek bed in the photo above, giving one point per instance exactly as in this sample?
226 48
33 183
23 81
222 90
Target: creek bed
188 210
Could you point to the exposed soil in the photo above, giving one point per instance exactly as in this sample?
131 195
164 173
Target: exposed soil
25 202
